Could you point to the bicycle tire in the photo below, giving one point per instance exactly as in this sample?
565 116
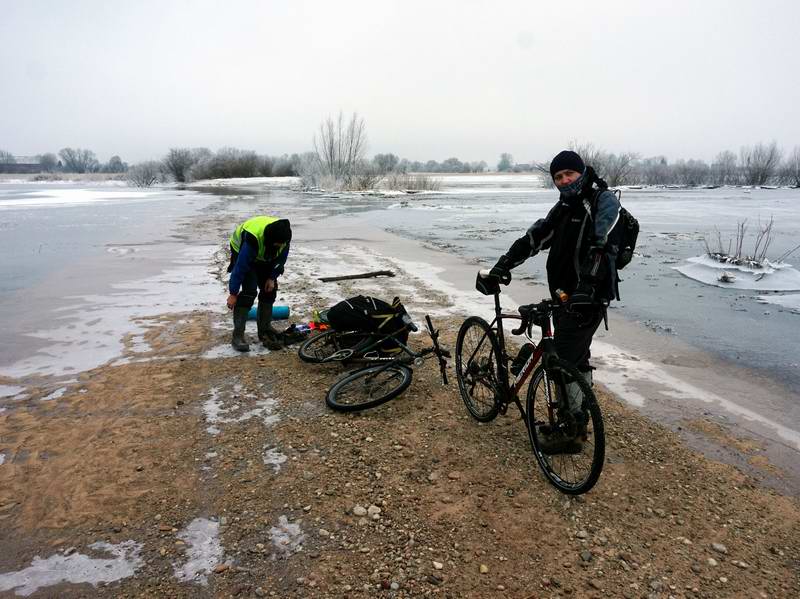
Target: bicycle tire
368 387
320 347
571 473
482 373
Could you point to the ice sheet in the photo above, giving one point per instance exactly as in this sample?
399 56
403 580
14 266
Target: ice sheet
95 326
790 301
774 277
46 198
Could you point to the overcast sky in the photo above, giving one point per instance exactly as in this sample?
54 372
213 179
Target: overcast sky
431 79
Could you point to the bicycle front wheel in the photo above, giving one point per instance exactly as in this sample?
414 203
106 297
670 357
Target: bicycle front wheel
321 347
565 427
368 387
477 368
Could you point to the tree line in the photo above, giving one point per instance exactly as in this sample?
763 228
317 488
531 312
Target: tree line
339 158
757 165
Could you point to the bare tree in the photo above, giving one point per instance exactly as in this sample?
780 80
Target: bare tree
723 169
592 156
619 168
759 163
506 162
178 163
115 165
653 170
145 174
78 160
543 168
7 157
790 172
48 162
386 163
691 172
340 147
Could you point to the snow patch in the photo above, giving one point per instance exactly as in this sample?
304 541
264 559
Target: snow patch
75 568
287 537
55 394
204 551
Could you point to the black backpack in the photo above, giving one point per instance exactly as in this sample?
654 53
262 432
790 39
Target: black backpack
624 234
371 315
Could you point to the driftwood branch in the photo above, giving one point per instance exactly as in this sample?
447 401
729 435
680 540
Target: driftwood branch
365 275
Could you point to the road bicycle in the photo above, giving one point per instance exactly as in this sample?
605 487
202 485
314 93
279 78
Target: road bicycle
376 384
564 423
356 345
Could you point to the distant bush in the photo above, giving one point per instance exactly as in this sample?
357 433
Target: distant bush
418 182
145 174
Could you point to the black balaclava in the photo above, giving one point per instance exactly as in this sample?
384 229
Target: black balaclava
278 232
567 159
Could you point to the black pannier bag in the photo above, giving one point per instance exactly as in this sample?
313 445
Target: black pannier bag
371 315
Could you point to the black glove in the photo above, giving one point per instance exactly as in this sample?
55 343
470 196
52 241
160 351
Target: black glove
502 270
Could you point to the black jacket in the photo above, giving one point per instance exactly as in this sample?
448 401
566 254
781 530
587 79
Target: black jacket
577 235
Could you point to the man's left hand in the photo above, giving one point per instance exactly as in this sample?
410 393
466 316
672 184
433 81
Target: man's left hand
269 285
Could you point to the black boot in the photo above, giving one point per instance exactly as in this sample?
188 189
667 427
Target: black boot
266 334
239 321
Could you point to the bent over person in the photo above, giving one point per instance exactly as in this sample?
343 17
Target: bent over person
581 263
259 248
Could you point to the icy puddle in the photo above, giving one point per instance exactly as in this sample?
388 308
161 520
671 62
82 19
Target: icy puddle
75 568
273 457
228 407
204 551
287 537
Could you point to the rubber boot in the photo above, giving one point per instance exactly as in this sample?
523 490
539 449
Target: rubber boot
557 443
266 334
574 393
238 341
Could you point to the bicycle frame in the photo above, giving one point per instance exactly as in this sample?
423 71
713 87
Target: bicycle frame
416 357
545 347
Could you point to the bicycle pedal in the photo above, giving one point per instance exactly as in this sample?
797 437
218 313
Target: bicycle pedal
503 408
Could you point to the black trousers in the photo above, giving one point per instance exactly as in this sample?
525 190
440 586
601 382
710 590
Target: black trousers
574 332
253 285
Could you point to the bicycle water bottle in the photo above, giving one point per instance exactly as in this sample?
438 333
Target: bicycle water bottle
524 353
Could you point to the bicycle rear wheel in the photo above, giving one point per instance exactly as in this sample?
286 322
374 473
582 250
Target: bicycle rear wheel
368 387
477 363
321 347
575 466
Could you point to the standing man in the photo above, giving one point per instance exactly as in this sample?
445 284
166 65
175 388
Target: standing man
581 263
259 247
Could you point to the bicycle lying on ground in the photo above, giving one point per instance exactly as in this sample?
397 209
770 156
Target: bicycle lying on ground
574 438
374 385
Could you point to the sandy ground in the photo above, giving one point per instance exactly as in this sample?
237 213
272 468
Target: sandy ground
210 474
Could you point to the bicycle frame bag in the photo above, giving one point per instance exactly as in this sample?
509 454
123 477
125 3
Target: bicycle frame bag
371 315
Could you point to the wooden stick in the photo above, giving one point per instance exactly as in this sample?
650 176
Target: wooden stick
365 275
